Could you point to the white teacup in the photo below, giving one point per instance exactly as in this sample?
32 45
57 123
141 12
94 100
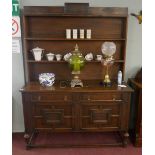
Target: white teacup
89 57
58 57
50 56
98 57
66 56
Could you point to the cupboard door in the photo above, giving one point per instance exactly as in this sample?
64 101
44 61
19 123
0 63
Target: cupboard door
56 117
100 116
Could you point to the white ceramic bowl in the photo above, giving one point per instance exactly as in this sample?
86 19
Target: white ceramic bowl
58 57
50 56
47 79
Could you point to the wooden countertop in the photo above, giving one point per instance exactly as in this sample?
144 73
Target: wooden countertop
89 86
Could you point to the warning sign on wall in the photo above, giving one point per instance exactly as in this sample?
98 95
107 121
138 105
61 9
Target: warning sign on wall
16 31
15 46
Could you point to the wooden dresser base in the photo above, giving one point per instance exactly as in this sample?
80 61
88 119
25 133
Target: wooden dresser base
92 109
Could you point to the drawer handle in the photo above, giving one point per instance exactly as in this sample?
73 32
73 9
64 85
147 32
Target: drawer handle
112 100
39 98
116 100
89 98
65 98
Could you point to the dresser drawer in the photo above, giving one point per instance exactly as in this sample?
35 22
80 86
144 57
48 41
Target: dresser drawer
93 97
53 97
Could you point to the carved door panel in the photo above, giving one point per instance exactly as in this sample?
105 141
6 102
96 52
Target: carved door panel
56 117
52 111
100 116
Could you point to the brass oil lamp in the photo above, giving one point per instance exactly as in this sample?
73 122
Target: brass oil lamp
108 49
76 63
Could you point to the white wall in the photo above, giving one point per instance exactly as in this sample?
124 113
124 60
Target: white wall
17 83
133 56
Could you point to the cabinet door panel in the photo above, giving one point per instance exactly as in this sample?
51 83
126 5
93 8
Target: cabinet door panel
53 117
100 116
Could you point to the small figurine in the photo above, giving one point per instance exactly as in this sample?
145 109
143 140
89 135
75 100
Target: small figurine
139 17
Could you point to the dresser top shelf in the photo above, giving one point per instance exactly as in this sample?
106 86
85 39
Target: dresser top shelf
59 11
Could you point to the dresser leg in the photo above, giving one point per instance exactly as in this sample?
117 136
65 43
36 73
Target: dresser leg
26 137
124 136
125 139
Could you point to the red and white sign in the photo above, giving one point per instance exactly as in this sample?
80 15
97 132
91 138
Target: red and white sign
16 31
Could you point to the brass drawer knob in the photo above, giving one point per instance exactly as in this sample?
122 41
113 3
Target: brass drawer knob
89 98
39 98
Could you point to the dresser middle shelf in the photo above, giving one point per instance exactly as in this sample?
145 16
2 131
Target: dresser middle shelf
78 39
62 61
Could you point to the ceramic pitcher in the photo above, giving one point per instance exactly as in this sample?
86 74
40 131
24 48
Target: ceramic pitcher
37 53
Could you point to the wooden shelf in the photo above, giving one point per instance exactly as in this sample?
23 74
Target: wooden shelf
39 31
60 11
116 61
75 16
46 61
62 61
63 39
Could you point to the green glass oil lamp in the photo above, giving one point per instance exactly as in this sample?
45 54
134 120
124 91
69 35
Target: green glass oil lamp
76 63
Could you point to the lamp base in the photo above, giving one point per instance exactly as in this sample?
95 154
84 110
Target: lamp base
76 82
107 79
106 84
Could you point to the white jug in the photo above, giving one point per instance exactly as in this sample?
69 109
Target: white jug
37 53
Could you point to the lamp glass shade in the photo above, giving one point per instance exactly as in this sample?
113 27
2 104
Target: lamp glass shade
108 48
